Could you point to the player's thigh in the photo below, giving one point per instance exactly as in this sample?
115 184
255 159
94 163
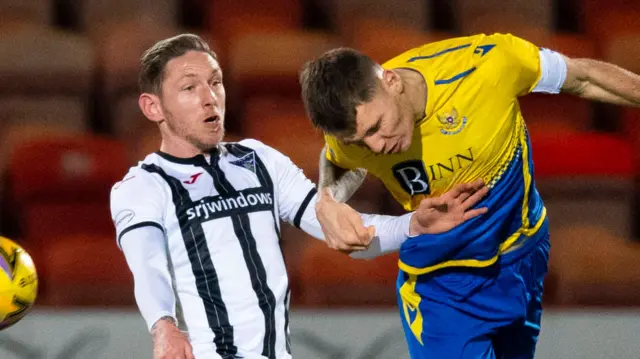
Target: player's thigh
518 340
465 343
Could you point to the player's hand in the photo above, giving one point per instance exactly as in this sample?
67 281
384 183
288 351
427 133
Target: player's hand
169 342
443 213
342 225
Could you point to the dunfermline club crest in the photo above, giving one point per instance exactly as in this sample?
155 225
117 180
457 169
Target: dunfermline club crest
451 123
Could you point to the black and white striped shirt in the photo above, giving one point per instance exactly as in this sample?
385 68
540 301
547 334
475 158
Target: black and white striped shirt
201 236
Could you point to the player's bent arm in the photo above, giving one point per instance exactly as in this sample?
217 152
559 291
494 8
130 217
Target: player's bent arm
390 231
601 81
341 183
145 251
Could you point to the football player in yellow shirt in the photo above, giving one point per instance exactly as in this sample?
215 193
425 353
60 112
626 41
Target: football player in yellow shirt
439 115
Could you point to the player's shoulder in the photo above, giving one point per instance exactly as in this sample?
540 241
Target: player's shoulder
137 179
261 148
433 50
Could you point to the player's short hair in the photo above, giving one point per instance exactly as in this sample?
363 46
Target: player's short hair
154 61
333 85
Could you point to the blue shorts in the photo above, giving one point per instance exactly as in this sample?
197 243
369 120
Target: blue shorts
477 313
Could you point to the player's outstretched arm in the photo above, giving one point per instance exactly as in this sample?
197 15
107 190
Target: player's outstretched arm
601 81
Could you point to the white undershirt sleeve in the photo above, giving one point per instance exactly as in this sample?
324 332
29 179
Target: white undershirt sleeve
391 231
147 257
553 70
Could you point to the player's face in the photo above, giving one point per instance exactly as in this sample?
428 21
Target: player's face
384 124
193 100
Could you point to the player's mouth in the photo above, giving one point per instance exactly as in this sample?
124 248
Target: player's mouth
213 122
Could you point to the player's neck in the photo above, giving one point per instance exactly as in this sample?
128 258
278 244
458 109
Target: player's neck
179 148
415 92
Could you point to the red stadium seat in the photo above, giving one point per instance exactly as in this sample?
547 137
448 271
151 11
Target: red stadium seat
585 178
605 19
556 112
61 185
86 270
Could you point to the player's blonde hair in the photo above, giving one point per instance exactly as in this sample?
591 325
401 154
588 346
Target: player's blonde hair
155 59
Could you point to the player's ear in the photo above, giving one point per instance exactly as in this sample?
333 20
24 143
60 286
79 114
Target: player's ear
392 81
151 108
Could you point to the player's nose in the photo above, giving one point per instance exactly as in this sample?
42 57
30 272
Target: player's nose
209 97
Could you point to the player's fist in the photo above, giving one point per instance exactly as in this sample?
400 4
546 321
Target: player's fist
169 342
443 213
342 225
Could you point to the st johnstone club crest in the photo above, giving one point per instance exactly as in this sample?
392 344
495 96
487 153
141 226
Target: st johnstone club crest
451 123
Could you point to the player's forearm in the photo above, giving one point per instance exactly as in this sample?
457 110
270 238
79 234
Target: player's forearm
601 81
340 183
391 232
146 256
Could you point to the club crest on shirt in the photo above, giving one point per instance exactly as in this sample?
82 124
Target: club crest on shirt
451 123
247 161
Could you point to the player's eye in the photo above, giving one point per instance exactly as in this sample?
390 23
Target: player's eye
188 88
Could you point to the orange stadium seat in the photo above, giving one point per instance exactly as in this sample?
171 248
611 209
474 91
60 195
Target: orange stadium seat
585 178
590 265
368 32
520 17
85 270
36 12
119 47
230 19
95 14
281 123
328 278
346 14
264 63
47 77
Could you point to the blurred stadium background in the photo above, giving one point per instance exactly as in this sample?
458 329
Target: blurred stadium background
70 128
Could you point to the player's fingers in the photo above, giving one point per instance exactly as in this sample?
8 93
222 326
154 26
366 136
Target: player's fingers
474 213
188 352
429 203
371 232
475 198
464 195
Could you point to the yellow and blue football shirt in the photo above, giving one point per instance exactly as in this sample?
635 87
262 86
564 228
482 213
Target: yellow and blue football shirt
473 129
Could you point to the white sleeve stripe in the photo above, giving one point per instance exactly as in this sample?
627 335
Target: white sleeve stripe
303 207
553 70
138 225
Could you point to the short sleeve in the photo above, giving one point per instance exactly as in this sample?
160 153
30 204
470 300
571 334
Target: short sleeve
137 201
344 156
519 62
